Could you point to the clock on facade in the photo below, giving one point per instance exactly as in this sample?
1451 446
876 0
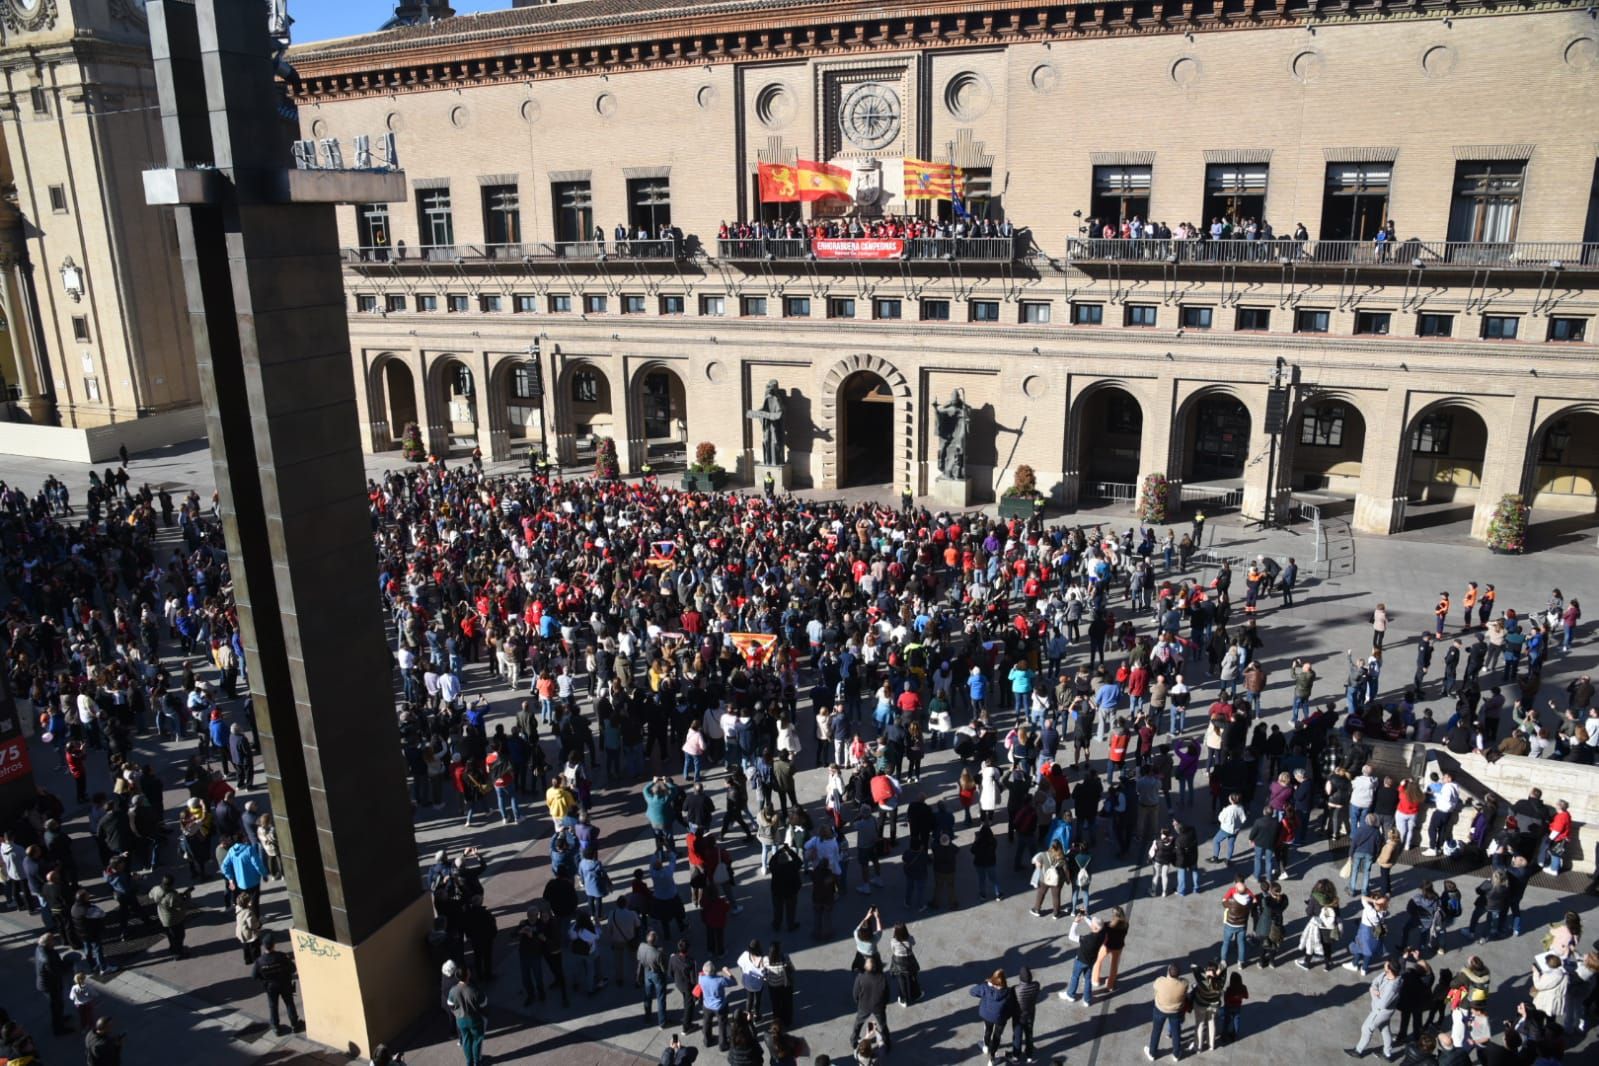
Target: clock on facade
869 116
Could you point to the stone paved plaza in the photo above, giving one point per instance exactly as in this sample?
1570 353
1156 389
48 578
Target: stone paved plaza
209 1011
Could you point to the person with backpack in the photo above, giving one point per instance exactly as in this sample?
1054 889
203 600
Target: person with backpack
275 971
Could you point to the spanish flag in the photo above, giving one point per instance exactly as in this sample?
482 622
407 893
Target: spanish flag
932 181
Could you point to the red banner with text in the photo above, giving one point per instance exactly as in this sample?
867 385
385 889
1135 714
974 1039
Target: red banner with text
858 247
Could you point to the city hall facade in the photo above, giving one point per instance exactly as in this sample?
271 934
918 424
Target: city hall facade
560 272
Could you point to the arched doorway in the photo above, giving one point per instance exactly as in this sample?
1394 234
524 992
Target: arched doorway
662 415
1444 446
583 412
454 401
1216 439
515 409
1328 443
398 399
1109 434
865 430
1564 467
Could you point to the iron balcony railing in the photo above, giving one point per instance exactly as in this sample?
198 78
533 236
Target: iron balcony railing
1406 254
540 251
789 249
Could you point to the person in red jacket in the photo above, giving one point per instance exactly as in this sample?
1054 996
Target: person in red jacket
78 767
1552 855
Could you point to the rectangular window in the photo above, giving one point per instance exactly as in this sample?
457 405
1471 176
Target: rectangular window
1254 319
1435 325
1234 192
935 310
91 389
585 387
395 302
502 220
366 302
525 303
455 302
436 222
840 307
1431 435
427 301
80 327
1373 323
1323 426
1500 327
1035 312
1119 193
58 199
1567 329
1355 203
594 303
525 382
1088 314
671 305
490 302
1197 317
1141 315
649 206
796 307
885 309
1487 200
372 230
984 310
977 192
40 99
574 210
560 303
632 304
713 305
1309 321
752 306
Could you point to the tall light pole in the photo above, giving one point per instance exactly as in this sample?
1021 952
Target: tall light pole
1276 419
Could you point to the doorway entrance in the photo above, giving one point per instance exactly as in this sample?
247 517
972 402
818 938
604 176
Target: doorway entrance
1220 439
866 431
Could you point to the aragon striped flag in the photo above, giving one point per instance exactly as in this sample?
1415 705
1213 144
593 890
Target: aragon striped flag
932 181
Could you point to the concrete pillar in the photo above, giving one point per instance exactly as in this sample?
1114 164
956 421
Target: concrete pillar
631 445
1156 449
266 305
1384 487
32 383
373 411
1504 466
481 400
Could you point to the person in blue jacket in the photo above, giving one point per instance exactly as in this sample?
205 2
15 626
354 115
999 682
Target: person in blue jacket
996 1005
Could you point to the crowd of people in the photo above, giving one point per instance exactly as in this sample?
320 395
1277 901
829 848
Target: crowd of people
924 674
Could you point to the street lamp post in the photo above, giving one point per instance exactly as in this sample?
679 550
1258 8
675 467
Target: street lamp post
1276 418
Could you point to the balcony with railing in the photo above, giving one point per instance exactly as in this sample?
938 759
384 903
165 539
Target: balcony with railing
1400 255
868 249
524 254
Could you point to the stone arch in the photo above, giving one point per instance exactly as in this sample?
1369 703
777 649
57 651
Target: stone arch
453 403
579 422
1186 430
1561 467
657 413
1448 468
515 418
1331 457
830 426
1116 456
391 400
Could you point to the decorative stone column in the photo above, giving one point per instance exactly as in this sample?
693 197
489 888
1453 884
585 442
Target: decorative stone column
1381 498
35 402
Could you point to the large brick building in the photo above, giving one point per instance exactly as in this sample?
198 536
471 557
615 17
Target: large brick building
1452 365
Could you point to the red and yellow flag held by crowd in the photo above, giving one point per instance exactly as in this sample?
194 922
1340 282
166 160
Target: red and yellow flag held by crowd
932 181
805 180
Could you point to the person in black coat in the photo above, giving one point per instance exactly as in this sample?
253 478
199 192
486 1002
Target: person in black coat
871 1000
49 979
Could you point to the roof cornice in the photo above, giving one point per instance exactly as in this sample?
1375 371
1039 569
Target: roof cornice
525 44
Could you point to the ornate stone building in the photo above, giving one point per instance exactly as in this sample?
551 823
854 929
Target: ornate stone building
95 334
1431 373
